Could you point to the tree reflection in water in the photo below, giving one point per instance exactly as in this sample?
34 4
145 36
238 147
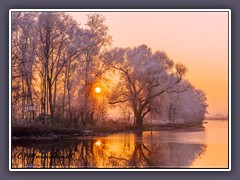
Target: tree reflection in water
92 153
162 155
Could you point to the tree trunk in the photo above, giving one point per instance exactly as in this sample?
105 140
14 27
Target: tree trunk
139 119
55 96
23 100
50 99
68 90
64 92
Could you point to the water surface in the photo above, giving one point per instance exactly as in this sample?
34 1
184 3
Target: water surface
198 147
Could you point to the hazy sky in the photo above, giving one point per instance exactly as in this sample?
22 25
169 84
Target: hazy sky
197 39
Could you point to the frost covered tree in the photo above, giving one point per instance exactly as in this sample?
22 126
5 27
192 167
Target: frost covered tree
23 55
183 104
54 50
56 64
190 106
144 76
94 63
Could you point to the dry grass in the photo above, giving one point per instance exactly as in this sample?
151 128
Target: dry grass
110 127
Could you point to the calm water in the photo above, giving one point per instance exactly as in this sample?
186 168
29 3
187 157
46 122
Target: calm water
200 147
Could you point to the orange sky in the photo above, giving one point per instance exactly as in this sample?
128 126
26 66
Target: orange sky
197 39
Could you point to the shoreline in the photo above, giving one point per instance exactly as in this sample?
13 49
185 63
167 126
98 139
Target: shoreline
32 132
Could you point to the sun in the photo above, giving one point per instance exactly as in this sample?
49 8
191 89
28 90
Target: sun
97 90
98 143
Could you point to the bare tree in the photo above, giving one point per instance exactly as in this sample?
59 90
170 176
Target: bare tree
54 51
93 61
23 43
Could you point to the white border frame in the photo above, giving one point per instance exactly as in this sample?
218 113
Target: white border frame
125 10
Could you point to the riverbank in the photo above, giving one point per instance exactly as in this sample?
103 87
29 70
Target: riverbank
33 132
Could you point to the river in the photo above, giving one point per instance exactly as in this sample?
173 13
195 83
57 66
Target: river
195 147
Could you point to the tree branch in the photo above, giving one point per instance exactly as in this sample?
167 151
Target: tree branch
120 101
145 113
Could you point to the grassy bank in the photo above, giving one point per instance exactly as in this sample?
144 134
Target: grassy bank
33 131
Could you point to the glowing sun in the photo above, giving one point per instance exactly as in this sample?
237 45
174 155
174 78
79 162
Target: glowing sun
98 143
97 90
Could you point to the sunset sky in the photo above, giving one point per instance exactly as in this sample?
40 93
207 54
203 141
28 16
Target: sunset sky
197 39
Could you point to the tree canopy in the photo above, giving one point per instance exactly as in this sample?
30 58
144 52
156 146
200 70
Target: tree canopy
57 63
